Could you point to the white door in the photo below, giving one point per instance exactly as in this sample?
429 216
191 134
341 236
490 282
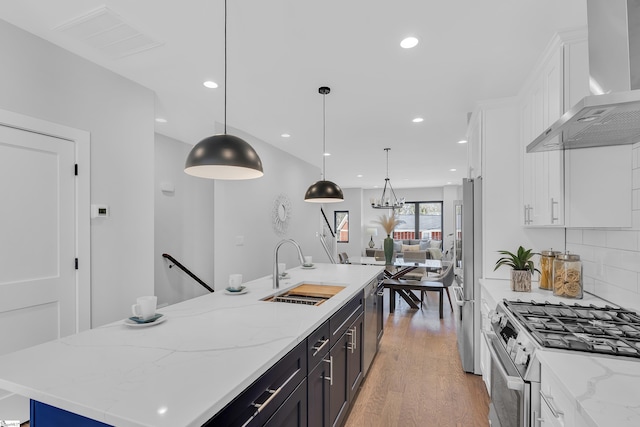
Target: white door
37 239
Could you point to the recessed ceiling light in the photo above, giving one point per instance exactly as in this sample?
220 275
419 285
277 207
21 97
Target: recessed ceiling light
449 183
326 154
452 170
418 120
285 135
210 84
409 42
161 120
462 141
359 176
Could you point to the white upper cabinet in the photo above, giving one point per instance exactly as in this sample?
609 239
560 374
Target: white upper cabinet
541 103
573 188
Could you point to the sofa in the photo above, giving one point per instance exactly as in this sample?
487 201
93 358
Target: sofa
431 248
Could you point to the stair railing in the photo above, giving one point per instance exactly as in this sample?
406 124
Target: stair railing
186 270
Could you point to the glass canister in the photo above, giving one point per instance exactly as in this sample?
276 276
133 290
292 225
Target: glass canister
567 276
546 266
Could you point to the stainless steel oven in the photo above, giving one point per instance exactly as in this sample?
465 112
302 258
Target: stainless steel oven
515 374
515 401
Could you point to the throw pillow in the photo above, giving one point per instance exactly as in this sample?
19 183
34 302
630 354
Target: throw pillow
424 245
397 245
436 253
437 244
410 248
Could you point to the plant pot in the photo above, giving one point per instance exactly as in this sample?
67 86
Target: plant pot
388 250
521 280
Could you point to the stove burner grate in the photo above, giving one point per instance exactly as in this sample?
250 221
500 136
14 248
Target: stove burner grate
604 330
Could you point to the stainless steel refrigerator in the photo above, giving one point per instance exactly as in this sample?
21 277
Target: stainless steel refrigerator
467 294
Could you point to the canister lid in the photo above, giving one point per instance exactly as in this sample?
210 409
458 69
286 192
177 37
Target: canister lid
568 257
550 253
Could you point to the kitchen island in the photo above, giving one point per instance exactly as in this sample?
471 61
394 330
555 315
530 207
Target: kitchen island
186 369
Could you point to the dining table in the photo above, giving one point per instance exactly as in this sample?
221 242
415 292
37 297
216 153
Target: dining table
395 271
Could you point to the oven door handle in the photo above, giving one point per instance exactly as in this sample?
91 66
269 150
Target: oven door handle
513 382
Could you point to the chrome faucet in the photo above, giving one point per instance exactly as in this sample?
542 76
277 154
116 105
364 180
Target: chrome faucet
276 275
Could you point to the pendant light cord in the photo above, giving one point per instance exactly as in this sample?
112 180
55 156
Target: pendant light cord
225 66
324 131
387 150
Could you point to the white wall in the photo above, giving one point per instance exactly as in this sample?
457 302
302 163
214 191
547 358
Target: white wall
41 80
184 226
611 257
501 187
244 209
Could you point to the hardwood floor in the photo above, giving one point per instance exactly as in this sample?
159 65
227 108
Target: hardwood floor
416 378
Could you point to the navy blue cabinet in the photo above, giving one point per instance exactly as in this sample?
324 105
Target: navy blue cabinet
259 402
43 415
293 412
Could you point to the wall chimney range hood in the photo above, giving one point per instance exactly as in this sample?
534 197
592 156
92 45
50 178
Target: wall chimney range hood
611 115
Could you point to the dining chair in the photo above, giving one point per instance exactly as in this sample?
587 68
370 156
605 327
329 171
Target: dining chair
415 256
344 258
440 284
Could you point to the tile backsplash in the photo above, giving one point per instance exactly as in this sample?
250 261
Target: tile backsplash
611 257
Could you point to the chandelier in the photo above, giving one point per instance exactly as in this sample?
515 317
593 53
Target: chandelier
387 201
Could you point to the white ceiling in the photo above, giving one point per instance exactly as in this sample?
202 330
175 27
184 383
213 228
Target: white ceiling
281 51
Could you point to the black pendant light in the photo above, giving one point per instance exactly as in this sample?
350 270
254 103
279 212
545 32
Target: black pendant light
224 156
324 191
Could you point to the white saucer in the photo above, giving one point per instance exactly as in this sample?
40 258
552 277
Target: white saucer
135 324
284 275
243 290
311 267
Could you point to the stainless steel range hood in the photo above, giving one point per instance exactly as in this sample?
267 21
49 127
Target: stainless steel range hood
611 115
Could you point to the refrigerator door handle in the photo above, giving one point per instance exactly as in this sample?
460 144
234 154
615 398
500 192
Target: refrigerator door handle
458 295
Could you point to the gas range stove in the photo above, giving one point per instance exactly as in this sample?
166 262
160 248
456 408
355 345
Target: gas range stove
603 330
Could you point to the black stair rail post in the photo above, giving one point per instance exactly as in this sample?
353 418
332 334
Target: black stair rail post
186 270
326 221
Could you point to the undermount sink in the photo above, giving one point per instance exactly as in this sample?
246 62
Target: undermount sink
306 293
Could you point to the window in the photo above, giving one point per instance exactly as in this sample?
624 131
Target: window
341 225
422 220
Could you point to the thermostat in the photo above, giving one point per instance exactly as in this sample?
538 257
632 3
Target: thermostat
99 211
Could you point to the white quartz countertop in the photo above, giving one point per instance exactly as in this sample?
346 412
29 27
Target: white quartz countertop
184 370
606 390
499 289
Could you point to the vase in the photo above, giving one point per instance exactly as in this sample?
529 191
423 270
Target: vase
388 250
371 243
521 280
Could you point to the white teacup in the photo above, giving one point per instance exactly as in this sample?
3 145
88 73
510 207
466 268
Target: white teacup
235 281
145 307
308 261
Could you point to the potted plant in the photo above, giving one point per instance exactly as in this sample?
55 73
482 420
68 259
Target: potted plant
522 268
389 223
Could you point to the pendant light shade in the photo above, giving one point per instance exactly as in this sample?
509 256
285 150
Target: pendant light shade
224 156
324 191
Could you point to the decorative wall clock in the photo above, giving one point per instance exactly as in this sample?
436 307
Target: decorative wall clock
281 214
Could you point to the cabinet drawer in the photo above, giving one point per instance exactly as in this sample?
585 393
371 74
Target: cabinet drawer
344 318
556 398
255 405
318 345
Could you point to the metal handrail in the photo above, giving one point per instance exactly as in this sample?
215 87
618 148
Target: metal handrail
186 270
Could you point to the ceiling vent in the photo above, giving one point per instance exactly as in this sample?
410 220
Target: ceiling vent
105 31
